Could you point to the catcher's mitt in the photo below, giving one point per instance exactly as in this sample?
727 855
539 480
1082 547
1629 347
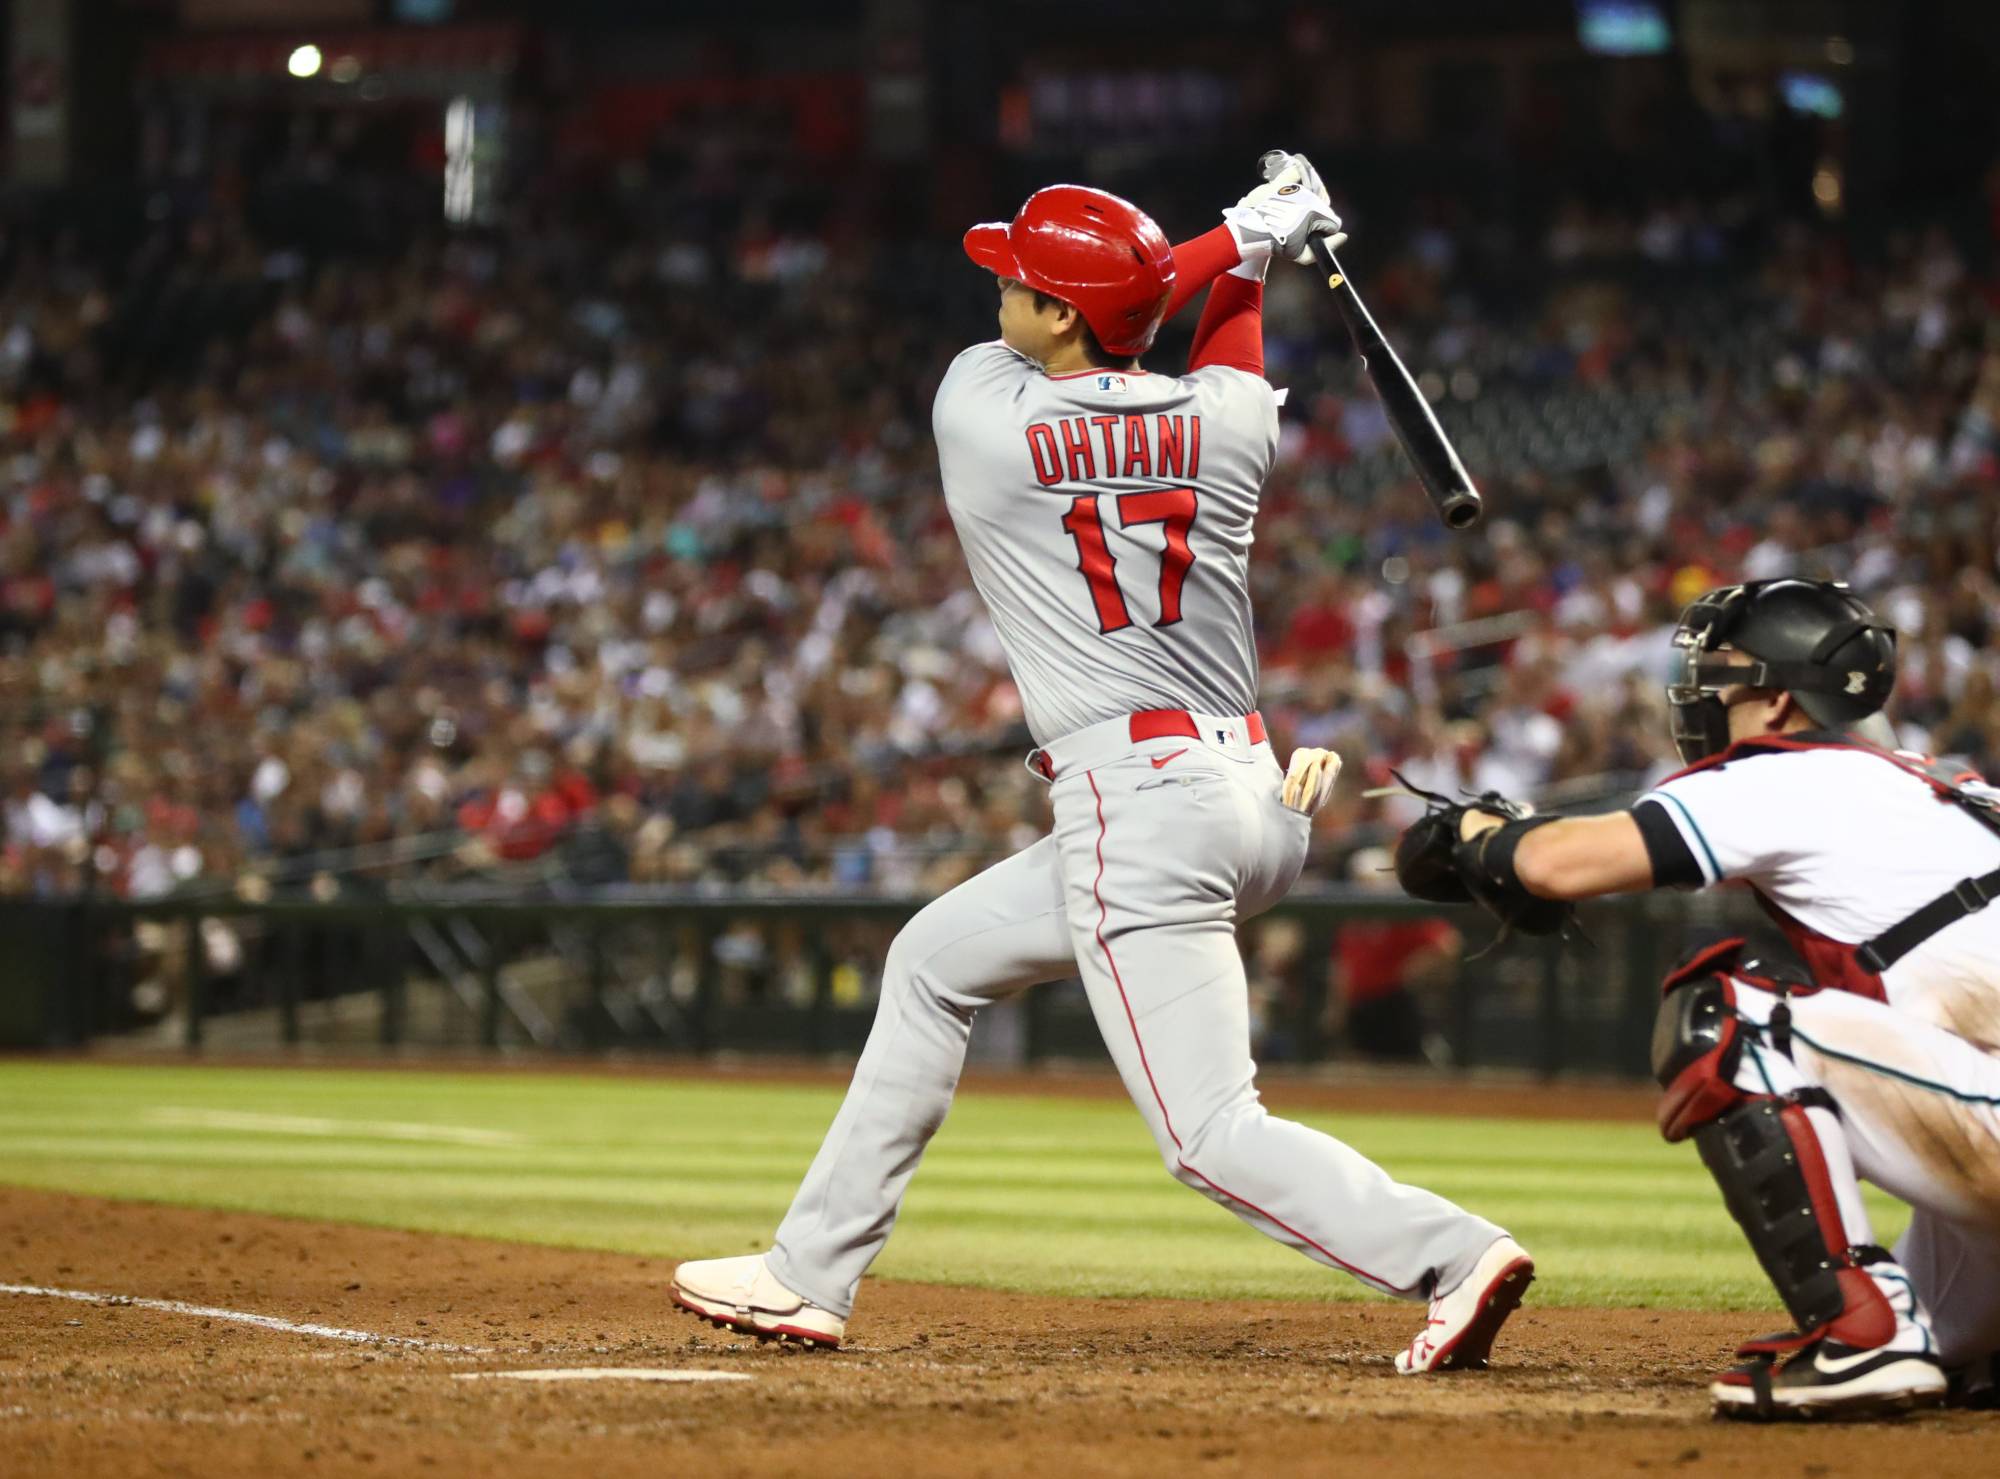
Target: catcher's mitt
1434 863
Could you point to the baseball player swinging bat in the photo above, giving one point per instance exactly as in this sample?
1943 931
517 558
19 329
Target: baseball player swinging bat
1107 511
1437 462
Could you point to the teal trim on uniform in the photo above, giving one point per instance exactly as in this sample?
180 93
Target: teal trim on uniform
1896 1073
1757 1057
1714 868
1915 1305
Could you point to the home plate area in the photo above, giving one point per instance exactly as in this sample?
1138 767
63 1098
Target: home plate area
583 1366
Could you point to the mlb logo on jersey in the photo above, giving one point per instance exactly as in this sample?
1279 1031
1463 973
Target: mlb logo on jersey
1111 382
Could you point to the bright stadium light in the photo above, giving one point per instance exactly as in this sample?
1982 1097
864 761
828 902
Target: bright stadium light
304 61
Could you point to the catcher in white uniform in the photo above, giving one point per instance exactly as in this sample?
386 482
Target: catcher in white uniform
1106 515
1883 1062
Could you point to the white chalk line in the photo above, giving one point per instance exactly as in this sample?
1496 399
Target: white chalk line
260 1415
181 1117
243 1317
602 1373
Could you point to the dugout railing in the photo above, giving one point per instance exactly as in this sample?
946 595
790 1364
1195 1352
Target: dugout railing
748 974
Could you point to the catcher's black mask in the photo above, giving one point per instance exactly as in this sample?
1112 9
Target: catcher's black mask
1812 639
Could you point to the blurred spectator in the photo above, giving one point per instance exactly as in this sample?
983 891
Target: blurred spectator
1387 974
618 555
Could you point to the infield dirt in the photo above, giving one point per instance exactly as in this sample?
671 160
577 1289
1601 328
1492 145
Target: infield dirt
937 1381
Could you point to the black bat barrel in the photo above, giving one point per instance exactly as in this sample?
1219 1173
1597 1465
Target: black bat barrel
1430 451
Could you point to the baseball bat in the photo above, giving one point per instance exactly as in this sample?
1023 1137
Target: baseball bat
1430 451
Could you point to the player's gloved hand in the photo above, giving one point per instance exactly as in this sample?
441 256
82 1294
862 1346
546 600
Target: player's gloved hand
1426 863
1282 216
1430 862
1309 780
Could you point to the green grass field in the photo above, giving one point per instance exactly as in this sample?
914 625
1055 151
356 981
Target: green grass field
1061 1196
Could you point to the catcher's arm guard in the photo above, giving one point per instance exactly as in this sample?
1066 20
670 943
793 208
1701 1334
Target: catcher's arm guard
1486 863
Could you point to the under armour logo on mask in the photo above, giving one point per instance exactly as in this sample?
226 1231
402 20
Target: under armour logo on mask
1856 682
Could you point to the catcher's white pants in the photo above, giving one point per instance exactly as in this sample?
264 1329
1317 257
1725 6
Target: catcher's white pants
1920 1117
1159 847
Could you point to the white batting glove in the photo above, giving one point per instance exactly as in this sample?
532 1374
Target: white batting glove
1276 161
1281 216
1309 780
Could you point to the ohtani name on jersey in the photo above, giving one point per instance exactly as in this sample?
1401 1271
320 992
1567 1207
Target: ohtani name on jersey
1080 448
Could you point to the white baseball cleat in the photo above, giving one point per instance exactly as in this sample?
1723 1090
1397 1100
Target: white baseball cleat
742 1294
1459 1333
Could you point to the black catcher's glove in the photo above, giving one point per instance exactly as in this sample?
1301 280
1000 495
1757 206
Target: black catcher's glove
1433 863
1426 853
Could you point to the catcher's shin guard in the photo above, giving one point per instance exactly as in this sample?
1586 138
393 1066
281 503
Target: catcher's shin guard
1764 1152
1766 1157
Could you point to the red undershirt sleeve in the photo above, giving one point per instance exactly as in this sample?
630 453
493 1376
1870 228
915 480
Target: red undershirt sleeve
1231 331
1199 262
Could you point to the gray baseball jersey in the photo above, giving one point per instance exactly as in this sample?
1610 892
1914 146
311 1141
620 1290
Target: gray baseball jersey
1106 517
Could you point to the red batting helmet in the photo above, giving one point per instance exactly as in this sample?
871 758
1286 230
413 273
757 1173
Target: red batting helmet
1095 251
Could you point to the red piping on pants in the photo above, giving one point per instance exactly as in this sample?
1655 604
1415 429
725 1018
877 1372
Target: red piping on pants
1096 889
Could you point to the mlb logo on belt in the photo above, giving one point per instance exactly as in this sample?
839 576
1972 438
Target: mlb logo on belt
1111 382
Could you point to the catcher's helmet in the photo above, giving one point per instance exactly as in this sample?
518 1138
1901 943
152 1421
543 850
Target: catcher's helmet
1095 251
1812 638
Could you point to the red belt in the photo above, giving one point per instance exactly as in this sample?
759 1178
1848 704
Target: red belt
1151 724
1170 723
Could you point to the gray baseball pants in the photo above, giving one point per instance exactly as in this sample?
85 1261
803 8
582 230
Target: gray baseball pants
1159 847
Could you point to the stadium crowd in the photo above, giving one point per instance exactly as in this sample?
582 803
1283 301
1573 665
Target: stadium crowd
618 555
